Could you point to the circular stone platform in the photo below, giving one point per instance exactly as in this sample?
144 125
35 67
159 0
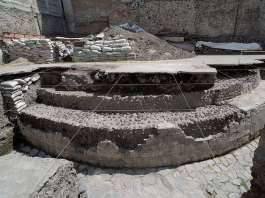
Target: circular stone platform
142 138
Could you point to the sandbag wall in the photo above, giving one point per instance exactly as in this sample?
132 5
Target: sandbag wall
13 92
36 51
104 50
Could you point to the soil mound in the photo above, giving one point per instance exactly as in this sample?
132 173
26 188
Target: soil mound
147 46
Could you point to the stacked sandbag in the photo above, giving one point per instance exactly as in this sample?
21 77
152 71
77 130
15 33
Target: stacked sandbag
62 50
34 50
103 50
13 97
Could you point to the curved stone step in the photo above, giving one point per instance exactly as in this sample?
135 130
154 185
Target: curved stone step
137 139
223 89
253 104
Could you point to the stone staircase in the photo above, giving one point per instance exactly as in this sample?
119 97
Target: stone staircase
125 116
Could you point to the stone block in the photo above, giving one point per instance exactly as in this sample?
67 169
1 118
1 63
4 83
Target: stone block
37 177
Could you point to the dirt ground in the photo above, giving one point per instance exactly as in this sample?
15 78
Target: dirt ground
147 46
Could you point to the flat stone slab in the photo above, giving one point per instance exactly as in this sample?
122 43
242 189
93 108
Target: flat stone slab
252 100
23 176
162 67
229 60
176 66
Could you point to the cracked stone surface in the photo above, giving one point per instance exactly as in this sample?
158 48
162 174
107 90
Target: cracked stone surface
221 177
36 177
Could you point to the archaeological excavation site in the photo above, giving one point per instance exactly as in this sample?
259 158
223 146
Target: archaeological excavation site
132 98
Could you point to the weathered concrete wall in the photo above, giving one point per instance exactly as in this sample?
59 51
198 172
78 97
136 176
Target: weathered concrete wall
32 17
210 18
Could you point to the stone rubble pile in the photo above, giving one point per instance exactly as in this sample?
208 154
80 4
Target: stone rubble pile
37 50
103 50
12 93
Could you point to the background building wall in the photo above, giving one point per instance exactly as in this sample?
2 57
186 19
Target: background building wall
261 21
51 17
17 16
91 16
203 18
69 16
32 17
